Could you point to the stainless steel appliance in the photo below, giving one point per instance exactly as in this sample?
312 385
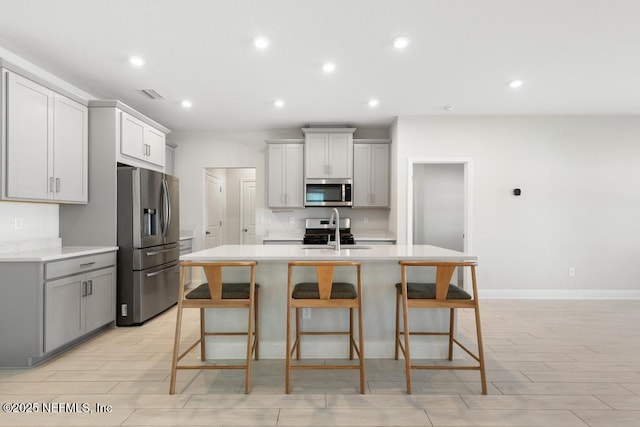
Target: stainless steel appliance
328 192
148 234
320 231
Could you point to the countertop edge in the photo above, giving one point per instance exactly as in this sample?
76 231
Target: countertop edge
55 254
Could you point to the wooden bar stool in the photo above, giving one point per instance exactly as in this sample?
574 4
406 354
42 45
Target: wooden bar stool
441 294
324 293
216 294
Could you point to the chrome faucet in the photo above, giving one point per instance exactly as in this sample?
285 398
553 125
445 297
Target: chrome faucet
334 212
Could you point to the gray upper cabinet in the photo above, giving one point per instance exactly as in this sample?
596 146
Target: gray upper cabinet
286 175
44 143
139 140
328 152
371 175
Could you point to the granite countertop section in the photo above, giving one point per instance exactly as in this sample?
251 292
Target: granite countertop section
284 253
54 254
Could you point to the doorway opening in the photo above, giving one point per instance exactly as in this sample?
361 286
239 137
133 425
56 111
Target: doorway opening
439 203
230 206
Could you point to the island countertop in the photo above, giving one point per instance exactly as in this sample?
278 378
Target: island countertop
363 253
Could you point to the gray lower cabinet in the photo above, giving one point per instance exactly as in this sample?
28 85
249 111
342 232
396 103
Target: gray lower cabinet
45 307
77 305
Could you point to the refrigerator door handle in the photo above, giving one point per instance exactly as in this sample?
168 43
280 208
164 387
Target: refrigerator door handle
163 202
156 273
168 204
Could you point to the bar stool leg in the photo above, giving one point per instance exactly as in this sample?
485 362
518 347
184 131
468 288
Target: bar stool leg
361 348
397 340
407 353
298 327
288 350
451 323
247 373
176 348
256 322
351 340
203 350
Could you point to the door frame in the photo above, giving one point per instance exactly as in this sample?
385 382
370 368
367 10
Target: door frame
467 164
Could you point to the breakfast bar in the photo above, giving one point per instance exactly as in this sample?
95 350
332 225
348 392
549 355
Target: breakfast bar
380 271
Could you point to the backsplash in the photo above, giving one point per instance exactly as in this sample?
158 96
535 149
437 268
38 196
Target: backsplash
25 224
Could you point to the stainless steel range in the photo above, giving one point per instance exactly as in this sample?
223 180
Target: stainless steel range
319 231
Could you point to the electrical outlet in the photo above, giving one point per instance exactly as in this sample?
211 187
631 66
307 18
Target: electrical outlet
306 313
17 223
572 272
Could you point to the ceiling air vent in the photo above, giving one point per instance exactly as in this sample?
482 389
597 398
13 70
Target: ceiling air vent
152 94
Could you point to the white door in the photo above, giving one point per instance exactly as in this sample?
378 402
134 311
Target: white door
248 208
215 209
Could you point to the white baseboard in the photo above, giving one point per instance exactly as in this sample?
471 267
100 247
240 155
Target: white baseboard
584 294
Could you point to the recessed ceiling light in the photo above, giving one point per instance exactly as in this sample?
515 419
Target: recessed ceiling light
186 104
400 42
261 42
136 61
329 67
514 84
373 103
279 103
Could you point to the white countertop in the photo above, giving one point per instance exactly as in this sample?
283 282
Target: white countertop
302 252
54 254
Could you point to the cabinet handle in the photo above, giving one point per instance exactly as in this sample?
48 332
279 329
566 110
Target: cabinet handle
57 185
87 264
155 273
148 149
84 289
90 285
50 184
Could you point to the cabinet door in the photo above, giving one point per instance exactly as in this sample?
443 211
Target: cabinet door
277 175
132 133
29 139
380 175
155 141
286 175
101 298
370 175
317 146
361 174
340 149
64 311
70 158
294 180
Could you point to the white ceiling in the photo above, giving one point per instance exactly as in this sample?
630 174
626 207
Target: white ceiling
576 57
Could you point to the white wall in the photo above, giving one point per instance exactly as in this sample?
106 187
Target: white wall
579 206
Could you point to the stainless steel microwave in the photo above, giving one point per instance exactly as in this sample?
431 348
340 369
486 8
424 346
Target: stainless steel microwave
328 192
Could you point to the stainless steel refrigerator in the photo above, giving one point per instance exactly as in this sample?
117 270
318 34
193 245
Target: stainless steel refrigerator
148 234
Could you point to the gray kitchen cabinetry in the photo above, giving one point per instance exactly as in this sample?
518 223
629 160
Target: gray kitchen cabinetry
45 307
371 174
44 143
286 177
328 152
141 141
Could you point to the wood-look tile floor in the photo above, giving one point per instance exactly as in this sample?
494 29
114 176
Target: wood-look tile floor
549 363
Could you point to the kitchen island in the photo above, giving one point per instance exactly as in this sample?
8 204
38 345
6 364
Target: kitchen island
380 272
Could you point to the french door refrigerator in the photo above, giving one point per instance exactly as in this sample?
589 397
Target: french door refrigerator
148 234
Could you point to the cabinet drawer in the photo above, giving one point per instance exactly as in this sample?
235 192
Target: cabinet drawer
185 245
78 265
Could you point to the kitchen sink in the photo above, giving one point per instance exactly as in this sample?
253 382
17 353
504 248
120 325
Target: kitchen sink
342 247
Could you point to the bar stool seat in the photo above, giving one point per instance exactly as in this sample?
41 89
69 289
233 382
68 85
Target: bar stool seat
215 294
